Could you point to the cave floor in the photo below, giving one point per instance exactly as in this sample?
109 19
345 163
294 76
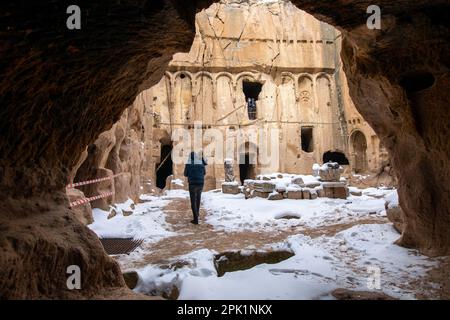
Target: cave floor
341 244
194 237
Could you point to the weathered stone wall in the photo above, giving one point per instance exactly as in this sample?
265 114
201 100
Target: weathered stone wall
124 150
295 58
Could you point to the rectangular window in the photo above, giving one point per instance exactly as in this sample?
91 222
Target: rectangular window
307 139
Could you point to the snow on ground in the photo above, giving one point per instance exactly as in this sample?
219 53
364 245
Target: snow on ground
147 221
319 266
234 213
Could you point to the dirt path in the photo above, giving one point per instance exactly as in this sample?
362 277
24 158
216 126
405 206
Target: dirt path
194 237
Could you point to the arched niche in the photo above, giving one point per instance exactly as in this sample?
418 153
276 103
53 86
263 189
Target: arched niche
324 94
225 96
203 98
288 99
182 97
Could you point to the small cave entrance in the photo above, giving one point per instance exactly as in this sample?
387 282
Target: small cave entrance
164 168
335 156
359 146
246 168
306 138
251 92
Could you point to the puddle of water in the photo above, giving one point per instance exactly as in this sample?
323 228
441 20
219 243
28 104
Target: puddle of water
237 260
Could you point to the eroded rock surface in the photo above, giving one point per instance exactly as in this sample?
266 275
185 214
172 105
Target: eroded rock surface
60 89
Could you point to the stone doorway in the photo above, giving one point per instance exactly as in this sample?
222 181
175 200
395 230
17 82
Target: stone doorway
359 146
246 168
164 168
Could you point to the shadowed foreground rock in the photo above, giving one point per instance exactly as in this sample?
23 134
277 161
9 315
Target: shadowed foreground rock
60 89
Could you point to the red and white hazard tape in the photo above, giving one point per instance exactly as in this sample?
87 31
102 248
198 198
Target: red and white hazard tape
86 200
82 183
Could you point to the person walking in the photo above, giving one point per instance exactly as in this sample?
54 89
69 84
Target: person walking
195 172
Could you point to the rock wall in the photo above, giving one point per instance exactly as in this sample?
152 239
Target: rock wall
122 151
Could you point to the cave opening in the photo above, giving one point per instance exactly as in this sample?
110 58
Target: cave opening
251 91
306 139
335 156
165 167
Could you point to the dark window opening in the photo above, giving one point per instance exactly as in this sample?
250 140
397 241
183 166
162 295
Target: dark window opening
338 157
307 139
246 169
251 92
164 168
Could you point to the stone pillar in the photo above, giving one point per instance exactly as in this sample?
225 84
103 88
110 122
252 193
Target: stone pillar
229 173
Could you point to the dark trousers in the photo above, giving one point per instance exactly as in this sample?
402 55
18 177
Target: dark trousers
195 193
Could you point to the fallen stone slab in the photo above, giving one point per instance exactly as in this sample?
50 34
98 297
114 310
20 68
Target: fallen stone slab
295 194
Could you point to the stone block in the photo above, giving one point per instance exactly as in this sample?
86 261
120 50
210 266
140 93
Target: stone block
112 214
356 193
127 213
335 190
320 193
230 188
298 181
275 196
312 184
264 186
330 171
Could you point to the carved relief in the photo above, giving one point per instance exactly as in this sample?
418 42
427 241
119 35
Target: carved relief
305 96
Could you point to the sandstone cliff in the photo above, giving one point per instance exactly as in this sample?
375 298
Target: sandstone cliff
60 90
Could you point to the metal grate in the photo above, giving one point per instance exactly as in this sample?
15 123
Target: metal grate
120 245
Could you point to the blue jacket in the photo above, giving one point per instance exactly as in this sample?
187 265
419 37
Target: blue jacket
195 169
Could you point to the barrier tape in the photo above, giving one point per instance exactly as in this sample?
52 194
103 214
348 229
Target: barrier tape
82 183
86 200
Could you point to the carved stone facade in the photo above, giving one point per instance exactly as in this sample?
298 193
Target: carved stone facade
289 63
